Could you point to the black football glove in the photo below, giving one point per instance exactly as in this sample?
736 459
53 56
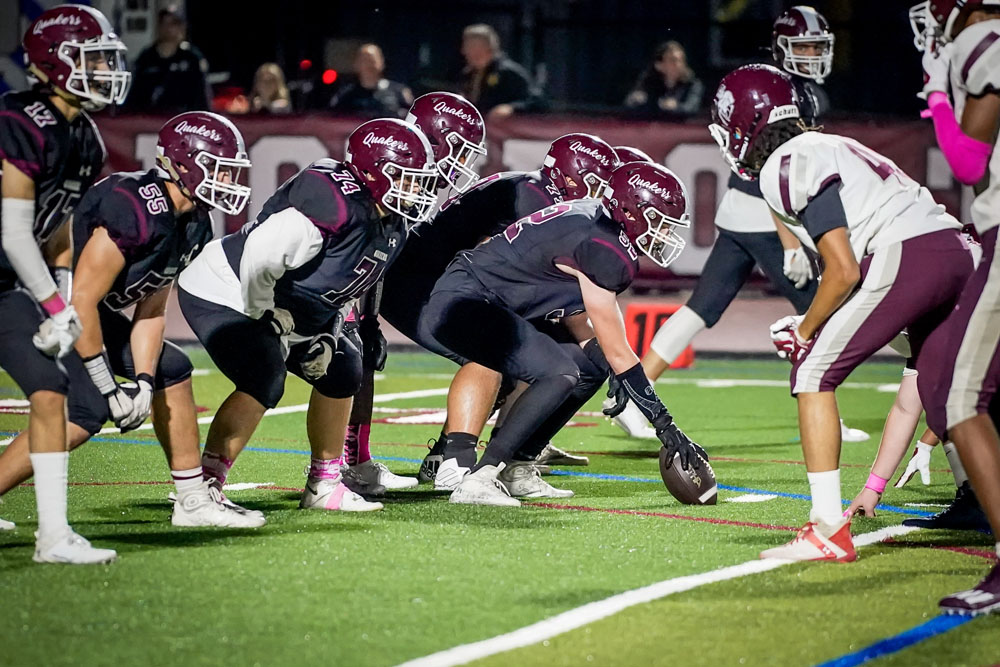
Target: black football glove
616 391
374 348
676 442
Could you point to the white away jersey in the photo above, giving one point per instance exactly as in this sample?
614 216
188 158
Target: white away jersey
975 71
882 204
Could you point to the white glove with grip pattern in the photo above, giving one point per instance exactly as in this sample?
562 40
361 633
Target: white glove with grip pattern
797 267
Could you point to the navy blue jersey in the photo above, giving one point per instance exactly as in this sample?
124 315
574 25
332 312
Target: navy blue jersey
137 213
63 158
519 265
358 244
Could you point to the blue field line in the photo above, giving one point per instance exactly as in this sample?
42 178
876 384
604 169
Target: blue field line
932 628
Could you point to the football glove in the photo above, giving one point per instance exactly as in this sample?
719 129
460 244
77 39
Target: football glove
937 68
676 442
797 267
280 321
141 394
785 336
617 394
58 333
919 462
318 356
374 350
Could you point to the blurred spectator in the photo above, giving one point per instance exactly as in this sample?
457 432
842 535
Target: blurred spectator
372 95
497 85
270 93
668 86
169 75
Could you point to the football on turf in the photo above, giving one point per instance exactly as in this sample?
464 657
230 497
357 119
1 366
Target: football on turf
694 486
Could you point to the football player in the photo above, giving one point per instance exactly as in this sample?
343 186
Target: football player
802 45
960 372
565 259
893 259
575 166
51 153
457 135
276 292
132 234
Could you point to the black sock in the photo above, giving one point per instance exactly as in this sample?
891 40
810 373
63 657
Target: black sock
462 447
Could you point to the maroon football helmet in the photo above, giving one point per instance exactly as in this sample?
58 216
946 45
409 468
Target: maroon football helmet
395 160
73 49
650 203
630 154
213 156
800 26
579 165
945 14
455 130
747 101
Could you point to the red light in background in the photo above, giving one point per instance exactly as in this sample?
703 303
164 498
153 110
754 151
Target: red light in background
329 76
305 64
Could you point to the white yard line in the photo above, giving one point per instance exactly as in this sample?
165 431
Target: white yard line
595 611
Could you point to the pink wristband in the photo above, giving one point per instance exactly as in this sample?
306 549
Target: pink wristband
54 304
876 483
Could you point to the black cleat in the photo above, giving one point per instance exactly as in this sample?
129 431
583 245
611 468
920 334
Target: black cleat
429 466
964 513
354 481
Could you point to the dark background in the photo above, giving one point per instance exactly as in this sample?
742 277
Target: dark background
589 52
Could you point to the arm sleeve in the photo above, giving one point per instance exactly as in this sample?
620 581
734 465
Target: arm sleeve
21 142
283 242
318 197
22 250
605 263
824 212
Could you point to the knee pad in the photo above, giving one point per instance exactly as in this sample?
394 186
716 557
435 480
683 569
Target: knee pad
676 333
87 408
174 367
344 374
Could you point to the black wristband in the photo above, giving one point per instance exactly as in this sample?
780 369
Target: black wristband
641 393
596 355
144 377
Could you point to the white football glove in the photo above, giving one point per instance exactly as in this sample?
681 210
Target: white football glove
58 333
937 69
919 462
118 398
797 267
784 335
281 321
318 356
141 393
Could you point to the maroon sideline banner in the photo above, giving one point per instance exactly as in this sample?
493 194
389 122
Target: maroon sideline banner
281 145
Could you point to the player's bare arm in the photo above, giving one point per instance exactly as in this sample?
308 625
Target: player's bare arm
841 274
99 265
148 325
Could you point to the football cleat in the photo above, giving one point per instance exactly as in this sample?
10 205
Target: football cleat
69 548
218 485
818 541
632 421
523 480
6 525
483 488
429 466
378 475
449 475
357 482
982 599
848 434
207 506
333 494
964 513
553 456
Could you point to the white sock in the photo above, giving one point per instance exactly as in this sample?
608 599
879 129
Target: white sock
51 472
676 334
956 464
825 489
187 481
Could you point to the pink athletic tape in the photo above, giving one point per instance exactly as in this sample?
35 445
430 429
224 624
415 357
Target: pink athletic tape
54 304
321 469
876 483
966 156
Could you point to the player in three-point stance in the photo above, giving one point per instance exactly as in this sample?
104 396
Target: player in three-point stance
893 259
50 154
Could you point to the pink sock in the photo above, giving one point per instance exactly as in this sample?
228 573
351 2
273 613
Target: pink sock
215 465
356 447
325 469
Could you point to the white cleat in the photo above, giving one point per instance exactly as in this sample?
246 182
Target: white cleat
207 506
523 480
333 494
449 475
632 421
848 434
7 525
69 548
213 482
377 474
483 488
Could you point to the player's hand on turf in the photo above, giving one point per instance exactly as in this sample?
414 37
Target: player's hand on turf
919 462
58 333
318 356
280 321
937 66
785 336
617 393
864 504
375 350
797 267
676 442
141 394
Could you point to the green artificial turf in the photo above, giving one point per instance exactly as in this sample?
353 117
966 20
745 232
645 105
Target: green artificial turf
314 588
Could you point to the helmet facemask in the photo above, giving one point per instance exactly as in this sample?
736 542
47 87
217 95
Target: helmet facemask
595 186
457 168
661 242
98 74
922 24
221 187
817 68
411 191
721 136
